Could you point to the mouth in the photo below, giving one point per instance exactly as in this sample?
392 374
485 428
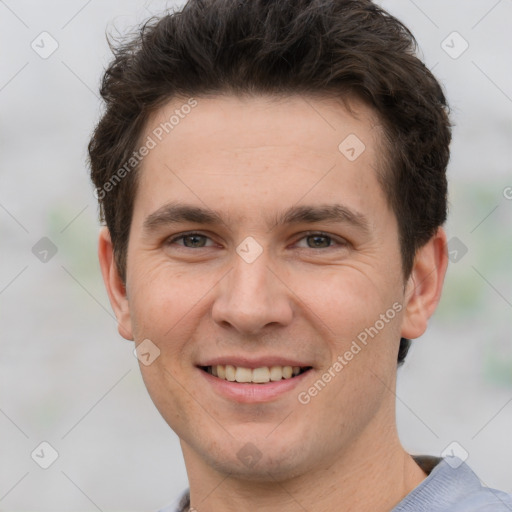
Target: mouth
261 375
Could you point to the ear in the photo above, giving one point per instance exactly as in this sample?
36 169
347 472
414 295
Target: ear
424 286
115 287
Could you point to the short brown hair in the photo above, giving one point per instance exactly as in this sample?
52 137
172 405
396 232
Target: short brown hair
334 48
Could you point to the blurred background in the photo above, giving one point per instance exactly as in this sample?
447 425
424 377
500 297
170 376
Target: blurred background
68 379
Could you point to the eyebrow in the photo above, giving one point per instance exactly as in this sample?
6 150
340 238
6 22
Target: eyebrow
332 213
175 213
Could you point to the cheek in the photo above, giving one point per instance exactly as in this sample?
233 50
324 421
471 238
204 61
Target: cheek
346 299
163 300
359 317
174 399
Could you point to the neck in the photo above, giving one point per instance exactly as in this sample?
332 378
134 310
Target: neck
376 478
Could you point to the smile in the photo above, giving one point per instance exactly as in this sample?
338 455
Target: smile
261 375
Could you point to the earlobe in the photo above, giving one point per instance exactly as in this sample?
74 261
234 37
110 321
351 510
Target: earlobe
425 285
115 287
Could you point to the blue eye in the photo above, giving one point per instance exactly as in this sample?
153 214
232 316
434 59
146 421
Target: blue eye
313 241
191 240
320 241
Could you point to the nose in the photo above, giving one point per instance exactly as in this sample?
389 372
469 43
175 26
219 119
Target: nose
251 297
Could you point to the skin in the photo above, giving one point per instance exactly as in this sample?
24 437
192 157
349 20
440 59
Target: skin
250 159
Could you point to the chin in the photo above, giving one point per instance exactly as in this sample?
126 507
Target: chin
267 468
260 459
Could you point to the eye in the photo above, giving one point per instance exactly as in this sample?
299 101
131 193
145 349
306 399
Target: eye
313 240
320 241
190 240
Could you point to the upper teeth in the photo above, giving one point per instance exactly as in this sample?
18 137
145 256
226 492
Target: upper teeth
257 375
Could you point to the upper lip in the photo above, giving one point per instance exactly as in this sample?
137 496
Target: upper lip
256 362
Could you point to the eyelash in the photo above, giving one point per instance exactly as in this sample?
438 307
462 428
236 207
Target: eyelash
339 241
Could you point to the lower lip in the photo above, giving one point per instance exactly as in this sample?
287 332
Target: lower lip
253 393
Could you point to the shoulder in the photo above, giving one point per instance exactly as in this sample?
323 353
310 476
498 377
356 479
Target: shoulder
485 499
183 505
451 486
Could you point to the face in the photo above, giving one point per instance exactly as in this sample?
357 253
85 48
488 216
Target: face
262 250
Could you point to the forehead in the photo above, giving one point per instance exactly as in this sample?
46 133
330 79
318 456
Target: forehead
242 122
262 148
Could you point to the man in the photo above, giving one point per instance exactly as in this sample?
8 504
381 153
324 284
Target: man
272 175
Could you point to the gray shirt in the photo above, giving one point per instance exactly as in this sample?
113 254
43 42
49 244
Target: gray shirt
451 486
